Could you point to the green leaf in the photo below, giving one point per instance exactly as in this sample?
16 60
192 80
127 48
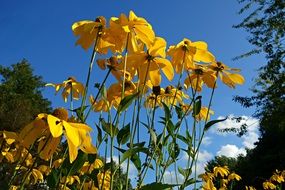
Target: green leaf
99 135
52 178
190 182
126 102
197 106
79 112
182 138
166 111
129 153
140 144
170 128
188 137
109 128
153 136
184 172
179 112
210 123
78 163
124 135
157 186
136 161
173 149
92 158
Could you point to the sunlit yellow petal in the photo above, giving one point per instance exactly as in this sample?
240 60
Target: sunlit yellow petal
72 150
72 134
55 126
166 67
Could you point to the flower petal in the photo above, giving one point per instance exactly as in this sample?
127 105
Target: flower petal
55 125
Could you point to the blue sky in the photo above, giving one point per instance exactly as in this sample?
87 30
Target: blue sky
40 31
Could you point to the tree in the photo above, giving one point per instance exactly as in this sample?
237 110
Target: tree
267 33
20 96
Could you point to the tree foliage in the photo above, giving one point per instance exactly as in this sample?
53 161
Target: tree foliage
266 25
20 96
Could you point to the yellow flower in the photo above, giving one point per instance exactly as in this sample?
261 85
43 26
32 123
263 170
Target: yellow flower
169 96
228 78
51 129
10 137
130 31
149 63
223 171
187 52
57 163
104 179
234 176
88 31
34 176
69 86
88 168
207 176
70 179
209 185
203 114
199 75
44 169
268 185
115 64
277 176
249 188
101 105
114 95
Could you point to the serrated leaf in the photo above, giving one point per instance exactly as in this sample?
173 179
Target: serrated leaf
157 186
126 102
210 123
124 135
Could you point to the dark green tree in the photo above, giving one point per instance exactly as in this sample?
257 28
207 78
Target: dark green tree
266 24
20 96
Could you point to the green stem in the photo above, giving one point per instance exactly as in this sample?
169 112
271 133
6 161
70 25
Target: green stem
97 95
200 140
94 52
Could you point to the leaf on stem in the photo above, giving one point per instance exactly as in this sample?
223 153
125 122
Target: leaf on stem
109 128
210 123
124 135
126 102
156 186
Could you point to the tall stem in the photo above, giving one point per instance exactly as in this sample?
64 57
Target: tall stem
94 52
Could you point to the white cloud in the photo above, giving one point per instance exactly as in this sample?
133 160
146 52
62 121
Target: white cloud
203 157
249 138
207 141
169 177
231 150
